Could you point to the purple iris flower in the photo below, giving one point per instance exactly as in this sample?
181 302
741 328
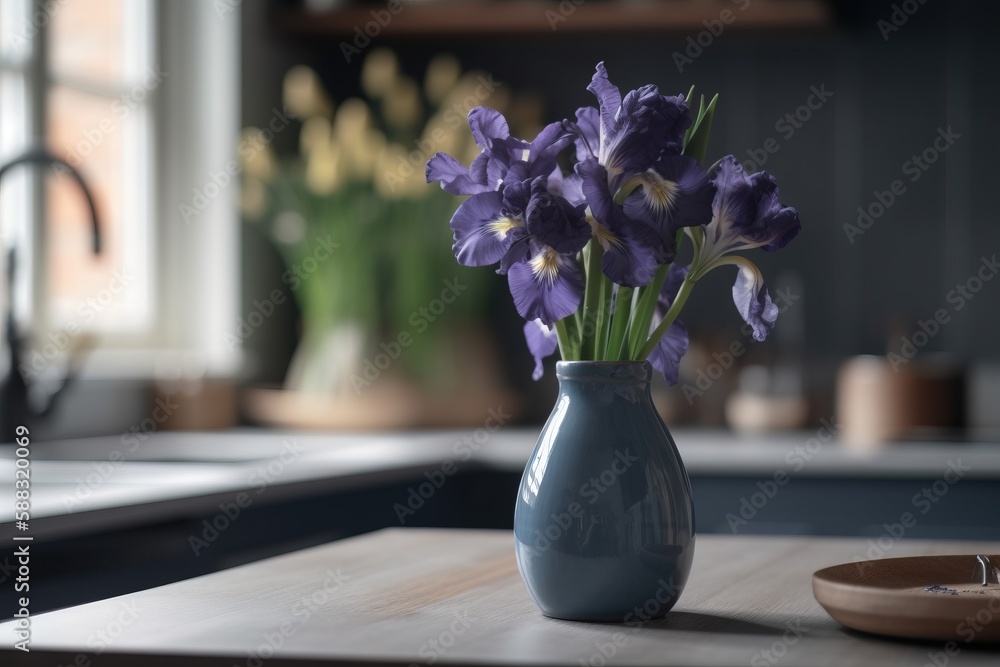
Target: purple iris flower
504 159
630 256
637 142
675 192
544 276
666 356
746 214
634 131
630 192
548 286
488 224
535 236
513 218
554 221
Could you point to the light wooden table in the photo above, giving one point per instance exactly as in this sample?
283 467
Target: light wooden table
409 596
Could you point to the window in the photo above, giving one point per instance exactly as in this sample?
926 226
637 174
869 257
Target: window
100 88
141 96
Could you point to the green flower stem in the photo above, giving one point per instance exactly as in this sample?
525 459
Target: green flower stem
619 325
566 335
592 300
647 307
675 308
603 319
647 304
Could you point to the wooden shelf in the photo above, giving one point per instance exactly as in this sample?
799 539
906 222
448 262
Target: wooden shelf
495 18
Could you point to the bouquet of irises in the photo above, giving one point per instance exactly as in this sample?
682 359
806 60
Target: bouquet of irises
589 255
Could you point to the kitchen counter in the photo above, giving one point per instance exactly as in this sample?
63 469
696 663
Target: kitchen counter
409 596
89 485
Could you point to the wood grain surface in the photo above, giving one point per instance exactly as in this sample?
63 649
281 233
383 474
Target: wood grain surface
415 596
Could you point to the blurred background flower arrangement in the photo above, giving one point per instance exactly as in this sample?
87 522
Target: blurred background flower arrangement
386 316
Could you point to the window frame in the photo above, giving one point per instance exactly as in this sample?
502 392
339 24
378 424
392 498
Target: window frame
21 194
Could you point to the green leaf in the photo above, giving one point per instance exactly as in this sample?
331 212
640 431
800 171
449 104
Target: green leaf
569 342
592 253
698 144
643 317
691 128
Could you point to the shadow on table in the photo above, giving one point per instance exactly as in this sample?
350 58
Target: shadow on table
687 621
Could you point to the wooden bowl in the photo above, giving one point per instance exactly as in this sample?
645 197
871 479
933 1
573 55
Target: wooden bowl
924 597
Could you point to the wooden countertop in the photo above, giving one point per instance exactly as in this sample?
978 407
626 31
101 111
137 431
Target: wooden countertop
410 596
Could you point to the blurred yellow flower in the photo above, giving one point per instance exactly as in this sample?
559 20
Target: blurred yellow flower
304 95
402 106
314 131
256 156
442 74
379 72
348 147
254 198
352 119
323 169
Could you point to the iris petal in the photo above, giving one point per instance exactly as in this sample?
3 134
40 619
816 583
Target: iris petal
544 295
519 251
477 171
482 233
503 160
505 164
675 193
753 302
735 206
455 177
543 149
487 125
594 185
542 342
636 130
776 224
671 286
588 125
666 356
746 212
569 187
648 126
631 251
610 99
631 261
554 221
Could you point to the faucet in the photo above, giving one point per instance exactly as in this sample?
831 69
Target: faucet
16 408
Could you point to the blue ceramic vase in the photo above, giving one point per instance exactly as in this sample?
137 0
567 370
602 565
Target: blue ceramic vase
604 524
